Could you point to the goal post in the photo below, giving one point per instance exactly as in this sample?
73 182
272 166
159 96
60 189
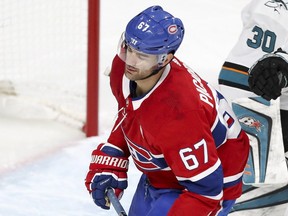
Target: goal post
91 127
49 61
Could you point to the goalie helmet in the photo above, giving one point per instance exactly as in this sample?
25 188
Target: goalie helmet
154 31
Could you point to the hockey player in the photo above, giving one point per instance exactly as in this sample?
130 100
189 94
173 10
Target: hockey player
258 64
179 131
265 30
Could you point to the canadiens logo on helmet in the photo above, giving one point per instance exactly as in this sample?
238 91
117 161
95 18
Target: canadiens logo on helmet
172 29
156 31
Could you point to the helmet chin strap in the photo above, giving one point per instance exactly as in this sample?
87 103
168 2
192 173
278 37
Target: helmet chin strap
154 72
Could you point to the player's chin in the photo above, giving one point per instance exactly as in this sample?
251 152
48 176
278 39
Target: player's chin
131 75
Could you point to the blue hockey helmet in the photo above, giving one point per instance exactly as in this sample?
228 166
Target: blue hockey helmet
154 31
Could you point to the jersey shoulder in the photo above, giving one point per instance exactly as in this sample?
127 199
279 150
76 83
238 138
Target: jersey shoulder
193 90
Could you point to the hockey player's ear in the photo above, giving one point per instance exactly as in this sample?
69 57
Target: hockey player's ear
168 58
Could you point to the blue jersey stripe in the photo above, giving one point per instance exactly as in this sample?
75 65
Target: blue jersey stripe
219 133
214 180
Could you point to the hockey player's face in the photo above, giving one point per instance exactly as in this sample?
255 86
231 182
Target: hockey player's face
139 65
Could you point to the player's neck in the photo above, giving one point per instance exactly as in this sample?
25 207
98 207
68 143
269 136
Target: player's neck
145 85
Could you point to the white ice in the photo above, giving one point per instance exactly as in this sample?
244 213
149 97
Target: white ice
51 181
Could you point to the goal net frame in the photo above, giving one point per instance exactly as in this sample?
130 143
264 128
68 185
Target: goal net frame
91 127
38 44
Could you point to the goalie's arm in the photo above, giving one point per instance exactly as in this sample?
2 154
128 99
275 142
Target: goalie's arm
269 75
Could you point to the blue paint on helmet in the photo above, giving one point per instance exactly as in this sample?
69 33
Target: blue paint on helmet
154 31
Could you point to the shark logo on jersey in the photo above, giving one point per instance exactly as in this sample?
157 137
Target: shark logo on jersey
277 5
251 122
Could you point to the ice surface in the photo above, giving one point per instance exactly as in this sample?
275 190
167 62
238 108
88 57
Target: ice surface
51 181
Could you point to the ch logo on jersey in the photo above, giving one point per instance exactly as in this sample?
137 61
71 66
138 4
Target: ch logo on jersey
144 160
251 122
229 119
277 5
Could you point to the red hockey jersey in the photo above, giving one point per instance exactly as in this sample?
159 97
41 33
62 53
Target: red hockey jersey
182 134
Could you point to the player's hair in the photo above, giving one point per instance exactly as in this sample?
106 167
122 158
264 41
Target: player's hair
154 31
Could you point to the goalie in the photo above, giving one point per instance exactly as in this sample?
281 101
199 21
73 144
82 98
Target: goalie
258 66
258 62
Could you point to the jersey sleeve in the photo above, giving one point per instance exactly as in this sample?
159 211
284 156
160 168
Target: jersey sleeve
264 30
190 151
116 136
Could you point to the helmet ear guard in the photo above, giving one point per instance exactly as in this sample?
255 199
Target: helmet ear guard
161 59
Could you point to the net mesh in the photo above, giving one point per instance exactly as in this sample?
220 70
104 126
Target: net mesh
43 59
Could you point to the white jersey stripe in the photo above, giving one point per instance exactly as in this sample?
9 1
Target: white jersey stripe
202 174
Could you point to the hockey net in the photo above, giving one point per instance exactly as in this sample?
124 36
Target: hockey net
43 59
